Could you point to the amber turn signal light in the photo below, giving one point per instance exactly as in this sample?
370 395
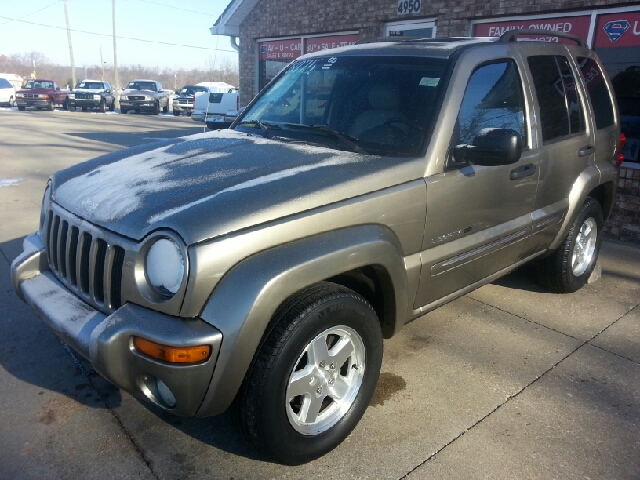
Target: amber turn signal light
169 354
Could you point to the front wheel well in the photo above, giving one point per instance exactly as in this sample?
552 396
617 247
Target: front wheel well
374 284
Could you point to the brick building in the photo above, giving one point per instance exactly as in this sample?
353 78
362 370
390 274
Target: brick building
269 34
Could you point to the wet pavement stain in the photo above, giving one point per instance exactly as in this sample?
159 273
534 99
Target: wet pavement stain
48 417
388 385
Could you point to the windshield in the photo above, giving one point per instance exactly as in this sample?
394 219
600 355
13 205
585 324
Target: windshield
377 104
38 84
91 85
192 90
142 86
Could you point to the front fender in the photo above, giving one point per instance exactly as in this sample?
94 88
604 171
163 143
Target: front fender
247 297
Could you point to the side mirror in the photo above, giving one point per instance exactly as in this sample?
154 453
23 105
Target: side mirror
491 147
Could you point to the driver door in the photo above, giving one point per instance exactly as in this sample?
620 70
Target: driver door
478 216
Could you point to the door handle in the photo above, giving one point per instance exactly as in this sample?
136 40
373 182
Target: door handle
586 150
522 171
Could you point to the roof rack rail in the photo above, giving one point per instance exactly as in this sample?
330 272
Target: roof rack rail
512 35
363 41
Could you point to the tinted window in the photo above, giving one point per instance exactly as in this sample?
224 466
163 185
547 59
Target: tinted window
547 79
493 99
598 92
576 115
4 83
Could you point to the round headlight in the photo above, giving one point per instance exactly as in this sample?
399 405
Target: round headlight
164 266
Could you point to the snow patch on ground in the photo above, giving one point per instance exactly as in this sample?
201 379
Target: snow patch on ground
7 182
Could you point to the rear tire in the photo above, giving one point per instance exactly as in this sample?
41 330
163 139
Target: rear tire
568 268
313 375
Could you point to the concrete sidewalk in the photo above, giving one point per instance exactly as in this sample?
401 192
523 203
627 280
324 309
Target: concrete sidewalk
510 381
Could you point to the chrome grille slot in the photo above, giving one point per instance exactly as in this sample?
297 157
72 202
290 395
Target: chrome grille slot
87 263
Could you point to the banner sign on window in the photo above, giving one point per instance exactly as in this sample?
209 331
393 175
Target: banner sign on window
578 26
323 43
618 30
281 49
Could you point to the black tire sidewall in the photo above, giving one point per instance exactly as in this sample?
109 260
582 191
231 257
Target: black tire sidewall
292 446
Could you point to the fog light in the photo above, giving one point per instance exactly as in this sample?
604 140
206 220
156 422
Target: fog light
165 394
199 353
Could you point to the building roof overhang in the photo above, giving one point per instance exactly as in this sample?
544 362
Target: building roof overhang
229 22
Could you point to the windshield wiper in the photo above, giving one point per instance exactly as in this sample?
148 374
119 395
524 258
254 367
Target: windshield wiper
351 143
264 126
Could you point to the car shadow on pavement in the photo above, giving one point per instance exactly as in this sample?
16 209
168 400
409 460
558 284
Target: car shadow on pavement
523 278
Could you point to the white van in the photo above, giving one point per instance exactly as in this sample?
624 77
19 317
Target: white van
217 110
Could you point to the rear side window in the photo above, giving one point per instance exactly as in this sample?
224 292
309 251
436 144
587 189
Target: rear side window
598 92
560 108
4 83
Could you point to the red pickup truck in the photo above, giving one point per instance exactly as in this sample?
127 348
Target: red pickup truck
41 94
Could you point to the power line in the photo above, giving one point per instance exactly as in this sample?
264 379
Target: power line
32 13
117 36
176 8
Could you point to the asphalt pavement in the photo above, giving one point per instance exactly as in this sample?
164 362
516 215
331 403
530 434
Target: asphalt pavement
508 382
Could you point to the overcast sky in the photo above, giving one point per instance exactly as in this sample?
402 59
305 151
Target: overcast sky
170 33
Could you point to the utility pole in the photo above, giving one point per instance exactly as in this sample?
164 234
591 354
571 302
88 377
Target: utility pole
73 65
116 81
101 63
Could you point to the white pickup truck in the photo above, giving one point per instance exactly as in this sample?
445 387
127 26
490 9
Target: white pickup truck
217 110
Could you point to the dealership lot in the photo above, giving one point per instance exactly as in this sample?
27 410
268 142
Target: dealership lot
507 382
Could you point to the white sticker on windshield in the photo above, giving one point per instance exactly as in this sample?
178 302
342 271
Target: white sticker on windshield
429 82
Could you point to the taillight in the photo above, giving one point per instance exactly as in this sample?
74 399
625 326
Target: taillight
620 158
238 102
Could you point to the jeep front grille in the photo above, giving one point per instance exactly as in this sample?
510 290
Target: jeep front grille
84 96
89 265
136 97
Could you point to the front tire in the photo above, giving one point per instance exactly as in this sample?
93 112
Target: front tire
156 108
176 113
165 109
570 266
123 111
313 375
50 106
21 108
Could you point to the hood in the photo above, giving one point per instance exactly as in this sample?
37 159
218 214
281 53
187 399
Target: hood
135 91
215 183
36 91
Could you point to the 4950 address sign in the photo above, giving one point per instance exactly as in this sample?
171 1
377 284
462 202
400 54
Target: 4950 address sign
408 6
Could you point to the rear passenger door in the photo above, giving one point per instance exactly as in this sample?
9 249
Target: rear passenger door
565 141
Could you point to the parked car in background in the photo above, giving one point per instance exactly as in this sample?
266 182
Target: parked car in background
217 110
43 94
144 96
92 94
16 80
218 87
7 93
184 100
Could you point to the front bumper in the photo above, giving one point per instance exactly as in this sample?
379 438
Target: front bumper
84 103
138 104
107 340
40 103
